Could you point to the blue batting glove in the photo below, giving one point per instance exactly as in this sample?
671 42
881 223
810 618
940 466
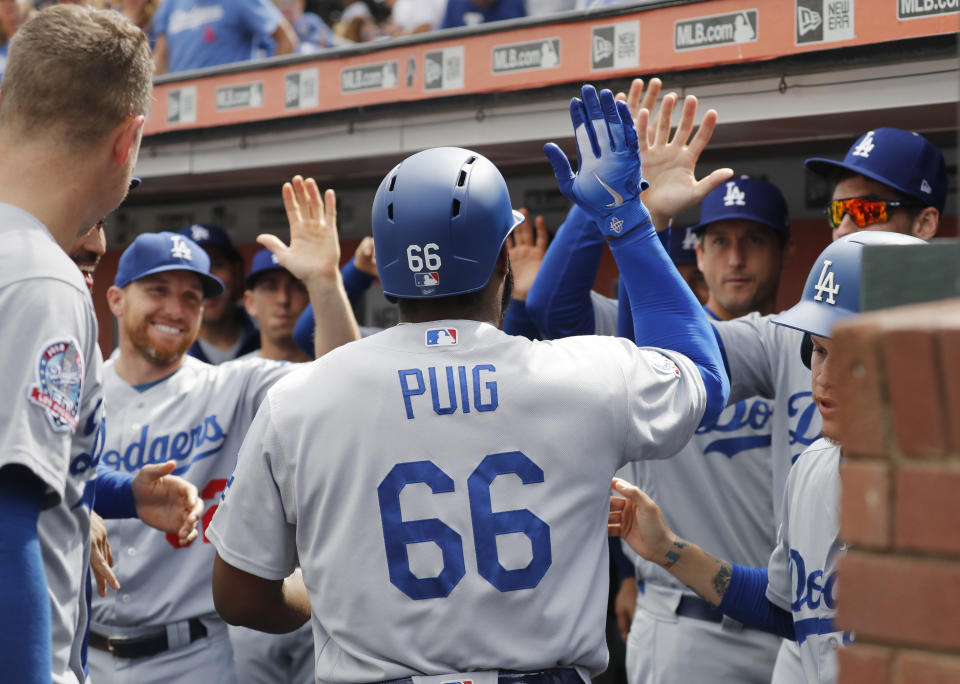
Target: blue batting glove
607 184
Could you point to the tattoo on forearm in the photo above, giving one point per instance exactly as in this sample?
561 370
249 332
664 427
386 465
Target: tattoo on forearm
721 581
673 555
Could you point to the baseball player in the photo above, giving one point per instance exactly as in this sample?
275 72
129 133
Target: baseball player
675 636
227 331
161 626
466 545
68 153
890 180
795 595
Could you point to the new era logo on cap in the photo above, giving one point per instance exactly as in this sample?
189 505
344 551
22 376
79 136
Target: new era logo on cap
441 337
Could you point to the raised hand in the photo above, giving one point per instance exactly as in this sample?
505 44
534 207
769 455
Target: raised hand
314 251
607 184
526 246
637 98
365 258
636 519
669 164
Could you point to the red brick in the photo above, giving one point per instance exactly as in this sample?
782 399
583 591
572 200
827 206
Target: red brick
900 600
927 507
914 391
861 664
865 503
949 349
927 668
861 408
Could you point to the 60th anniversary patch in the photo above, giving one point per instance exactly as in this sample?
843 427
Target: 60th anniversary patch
59 373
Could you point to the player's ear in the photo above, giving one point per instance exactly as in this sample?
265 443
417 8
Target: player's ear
115 300
926 223
248 303
125 139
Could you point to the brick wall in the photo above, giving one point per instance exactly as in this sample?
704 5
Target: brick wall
899 585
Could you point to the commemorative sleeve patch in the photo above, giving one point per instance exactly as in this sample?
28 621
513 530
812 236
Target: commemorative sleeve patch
59 383
660 363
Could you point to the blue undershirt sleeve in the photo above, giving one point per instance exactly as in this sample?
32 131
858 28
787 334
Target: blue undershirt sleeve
25 643
114 495
559 299
624 315
746 601
355 282
624 568
516 321
666 313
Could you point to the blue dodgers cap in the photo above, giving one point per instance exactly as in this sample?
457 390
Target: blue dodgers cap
209 235
902 160
263 262
749 199
159 252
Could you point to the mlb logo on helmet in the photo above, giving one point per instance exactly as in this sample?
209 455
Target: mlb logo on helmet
441 337
426 281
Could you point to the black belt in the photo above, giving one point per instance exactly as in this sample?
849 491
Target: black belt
144 645
698 609
557 675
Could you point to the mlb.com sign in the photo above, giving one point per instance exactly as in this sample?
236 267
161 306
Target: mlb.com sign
718 29
911 9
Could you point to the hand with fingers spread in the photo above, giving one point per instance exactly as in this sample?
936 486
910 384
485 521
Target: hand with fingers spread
101 557
314 251
607 184
526 246
669 164
637 98
167 502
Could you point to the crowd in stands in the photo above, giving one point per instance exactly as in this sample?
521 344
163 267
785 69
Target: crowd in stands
195 34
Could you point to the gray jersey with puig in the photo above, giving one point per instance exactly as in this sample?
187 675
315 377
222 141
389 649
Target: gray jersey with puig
51 416
494 450
764 360
196 417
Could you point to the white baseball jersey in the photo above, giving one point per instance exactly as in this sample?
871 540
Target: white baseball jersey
51 415
764 360
445 487
196 417
803 567
604 314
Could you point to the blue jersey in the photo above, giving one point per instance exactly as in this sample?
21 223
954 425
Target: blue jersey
206 33
465 13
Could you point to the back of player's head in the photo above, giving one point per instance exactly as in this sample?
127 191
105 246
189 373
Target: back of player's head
832 291
75 72
152 253
746 199
904 161
440 219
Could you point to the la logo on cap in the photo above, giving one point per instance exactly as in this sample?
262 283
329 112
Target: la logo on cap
180 249
865 147
690 239
825 284
734 196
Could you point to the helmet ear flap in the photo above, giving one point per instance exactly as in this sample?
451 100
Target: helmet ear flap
806 349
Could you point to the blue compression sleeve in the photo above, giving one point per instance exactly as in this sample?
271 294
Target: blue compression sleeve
559 299
746 601
624 315
114 497
619 559
25 643
355 282
516 321
666 314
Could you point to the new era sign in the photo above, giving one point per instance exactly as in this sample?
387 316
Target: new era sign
616 46
823 21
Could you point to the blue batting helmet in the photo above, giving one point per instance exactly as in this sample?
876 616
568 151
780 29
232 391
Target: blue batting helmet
832 292
440 219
